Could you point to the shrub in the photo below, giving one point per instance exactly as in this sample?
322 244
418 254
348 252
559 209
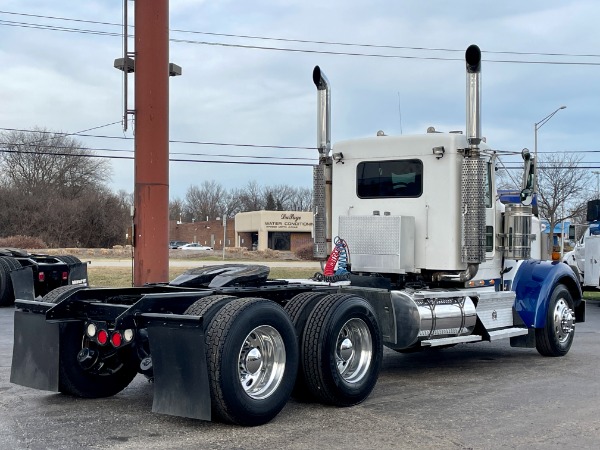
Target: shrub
22 242
305 252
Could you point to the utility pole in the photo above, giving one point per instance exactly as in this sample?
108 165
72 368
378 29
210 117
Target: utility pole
151 251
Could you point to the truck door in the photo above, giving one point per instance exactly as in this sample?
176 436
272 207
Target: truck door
592 261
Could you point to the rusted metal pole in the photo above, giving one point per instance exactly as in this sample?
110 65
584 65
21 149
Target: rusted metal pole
151 251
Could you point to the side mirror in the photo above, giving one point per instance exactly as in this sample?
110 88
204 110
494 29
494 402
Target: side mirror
528 186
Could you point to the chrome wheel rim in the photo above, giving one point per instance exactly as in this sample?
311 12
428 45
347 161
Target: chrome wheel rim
261 362
564 320
354 350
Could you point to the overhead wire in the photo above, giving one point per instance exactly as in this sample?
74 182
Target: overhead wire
88 155
222 155
308 41
312 51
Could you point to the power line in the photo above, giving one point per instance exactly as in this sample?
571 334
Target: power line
298 50
308 41
84 155
173 141
9 145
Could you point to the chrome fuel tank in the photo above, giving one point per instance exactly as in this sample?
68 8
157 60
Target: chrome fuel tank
426 315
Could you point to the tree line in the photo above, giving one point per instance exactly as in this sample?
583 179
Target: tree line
54 189
211 200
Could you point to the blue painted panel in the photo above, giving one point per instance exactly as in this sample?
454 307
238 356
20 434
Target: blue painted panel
533 285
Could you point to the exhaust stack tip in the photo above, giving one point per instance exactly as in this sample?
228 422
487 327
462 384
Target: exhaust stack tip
473 59
319 79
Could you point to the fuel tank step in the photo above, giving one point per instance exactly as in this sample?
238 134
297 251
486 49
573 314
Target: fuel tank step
451 340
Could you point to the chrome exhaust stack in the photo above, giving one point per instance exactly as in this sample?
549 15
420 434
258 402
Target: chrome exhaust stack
473 178
322 172
473 63
323 112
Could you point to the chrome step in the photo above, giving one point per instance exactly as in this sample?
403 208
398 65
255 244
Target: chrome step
450 340
507 333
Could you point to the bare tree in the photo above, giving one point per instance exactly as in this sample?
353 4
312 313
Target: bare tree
176 209
562 186
48 163
54 189
249 198
208 200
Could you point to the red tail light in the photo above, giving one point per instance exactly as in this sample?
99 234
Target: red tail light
102 337
41 277
65 276
116 339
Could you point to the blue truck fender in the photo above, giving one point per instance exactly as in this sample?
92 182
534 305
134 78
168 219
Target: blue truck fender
533 285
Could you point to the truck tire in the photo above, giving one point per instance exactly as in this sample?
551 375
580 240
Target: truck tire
69 259
252 358
342 350
299 308
556 337
7 295
208 307
118 371
60 293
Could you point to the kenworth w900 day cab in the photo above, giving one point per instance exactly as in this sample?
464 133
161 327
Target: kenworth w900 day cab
435 260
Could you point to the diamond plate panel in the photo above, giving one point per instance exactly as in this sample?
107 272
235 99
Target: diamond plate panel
379 243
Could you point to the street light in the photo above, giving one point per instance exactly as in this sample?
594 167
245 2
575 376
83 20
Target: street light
536 127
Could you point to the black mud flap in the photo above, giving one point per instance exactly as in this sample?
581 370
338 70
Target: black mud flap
22 281
36 351
78 274
179 363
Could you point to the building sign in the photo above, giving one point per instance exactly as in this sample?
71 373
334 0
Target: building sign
289 221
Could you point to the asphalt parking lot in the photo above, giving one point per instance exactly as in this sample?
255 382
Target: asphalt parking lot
480 396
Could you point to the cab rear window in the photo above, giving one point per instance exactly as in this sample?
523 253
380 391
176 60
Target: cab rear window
390 179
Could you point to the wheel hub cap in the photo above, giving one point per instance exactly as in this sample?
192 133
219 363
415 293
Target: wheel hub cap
261 362
564 320
354 350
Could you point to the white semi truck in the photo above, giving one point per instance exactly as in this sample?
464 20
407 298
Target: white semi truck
584 259
434 260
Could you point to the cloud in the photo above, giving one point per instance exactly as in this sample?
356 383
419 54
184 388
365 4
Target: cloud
66 81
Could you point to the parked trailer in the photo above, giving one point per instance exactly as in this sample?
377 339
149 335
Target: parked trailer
48 272
420 255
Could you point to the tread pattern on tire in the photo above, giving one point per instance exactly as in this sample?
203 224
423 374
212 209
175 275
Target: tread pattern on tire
216 339
59 293
69 259
7 265
299 308
544 340
312 349
208 307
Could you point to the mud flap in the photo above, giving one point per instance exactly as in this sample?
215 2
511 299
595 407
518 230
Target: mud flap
78 274
179 362
22 281
36 351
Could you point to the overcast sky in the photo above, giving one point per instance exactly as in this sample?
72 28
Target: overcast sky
65 81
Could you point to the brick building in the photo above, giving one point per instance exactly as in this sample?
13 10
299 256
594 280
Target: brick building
255 230
277 230
205 232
